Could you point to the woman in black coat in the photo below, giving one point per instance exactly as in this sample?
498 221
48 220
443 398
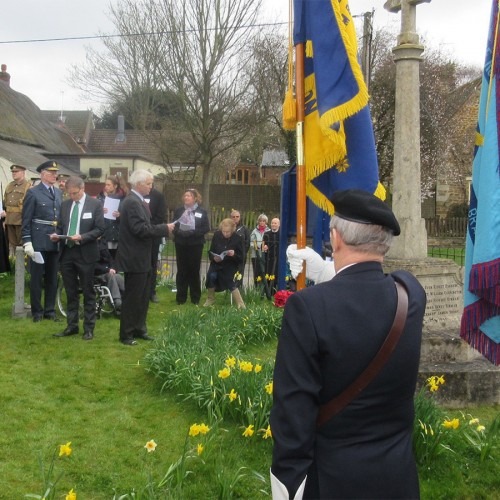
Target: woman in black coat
191 224
226 254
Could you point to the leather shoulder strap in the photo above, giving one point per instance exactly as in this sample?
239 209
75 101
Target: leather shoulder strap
335 405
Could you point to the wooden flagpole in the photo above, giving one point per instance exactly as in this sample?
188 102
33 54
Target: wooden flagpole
300 169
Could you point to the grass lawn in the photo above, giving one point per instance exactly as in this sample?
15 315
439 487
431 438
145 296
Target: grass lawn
98 396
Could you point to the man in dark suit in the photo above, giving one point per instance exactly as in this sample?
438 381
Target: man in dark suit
330 333
40 216
158 209
82 222
134 256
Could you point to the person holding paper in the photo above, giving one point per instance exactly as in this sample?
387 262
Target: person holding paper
191 225
226 254
40 215
81 223
111 197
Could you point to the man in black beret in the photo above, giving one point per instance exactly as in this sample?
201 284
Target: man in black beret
331 332
40 216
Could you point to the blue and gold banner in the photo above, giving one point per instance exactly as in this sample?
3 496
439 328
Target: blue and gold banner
480 325
339 145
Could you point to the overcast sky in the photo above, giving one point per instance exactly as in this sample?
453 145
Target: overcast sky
40 69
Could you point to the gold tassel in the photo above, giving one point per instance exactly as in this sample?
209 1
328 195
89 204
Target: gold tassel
290 103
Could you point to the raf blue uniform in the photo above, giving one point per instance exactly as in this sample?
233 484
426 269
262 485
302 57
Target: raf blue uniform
41 212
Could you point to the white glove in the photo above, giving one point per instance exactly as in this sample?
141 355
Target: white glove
317 269
28 249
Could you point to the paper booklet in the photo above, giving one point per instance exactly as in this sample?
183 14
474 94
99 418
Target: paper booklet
221 255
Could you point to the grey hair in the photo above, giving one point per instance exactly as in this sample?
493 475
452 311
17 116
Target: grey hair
75 181
262 217
139 177
367 238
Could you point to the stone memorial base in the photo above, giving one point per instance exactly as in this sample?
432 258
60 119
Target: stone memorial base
470 378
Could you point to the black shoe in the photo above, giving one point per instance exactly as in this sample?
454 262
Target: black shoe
88 336
36 319
154 298
66 333
145 337
128 342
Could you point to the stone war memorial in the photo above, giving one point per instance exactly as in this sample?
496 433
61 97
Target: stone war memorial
471 379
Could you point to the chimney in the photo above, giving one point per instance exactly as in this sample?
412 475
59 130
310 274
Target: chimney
120 136
4 76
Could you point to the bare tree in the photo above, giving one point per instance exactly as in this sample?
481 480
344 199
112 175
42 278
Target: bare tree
196 50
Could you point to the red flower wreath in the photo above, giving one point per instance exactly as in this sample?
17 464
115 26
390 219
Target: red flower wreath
281 297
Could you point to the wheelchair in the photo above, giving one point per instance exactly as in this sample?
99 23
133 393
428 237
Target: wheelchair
104 303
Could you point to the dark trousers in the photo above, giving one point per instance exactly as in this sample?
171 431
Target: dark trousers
44 278
188 272
78 274
135 305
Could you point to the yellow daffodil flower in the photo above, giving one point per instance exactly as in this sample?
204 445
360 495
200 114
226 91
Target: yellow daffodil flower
230 362
224 373
150 446
266 433
258 368
451 424
204 428
269 387
474 421
71 495
258 279
248 432
440 380
65 449
199 449
194 430
232 395
480 428
246 366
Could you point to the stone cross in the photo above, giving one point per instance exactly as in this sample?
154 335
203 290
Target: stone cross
406 195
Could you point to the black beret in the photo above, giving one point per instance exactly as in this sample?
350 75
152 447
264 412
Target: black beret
16 167
359 206
48 165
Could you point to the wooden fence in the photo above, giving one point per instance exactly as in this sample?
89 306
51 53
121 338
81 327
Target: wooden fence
452 227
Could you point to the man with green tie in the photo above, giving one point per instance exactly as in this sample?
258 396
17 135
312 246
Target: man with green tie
82 223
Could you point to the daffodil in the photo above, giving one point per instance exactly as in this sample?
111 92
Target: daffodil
65 449
224 373
258 279
232 395
194 430
71 495
199 449
266 433
474 421
480 428
451 424
230 362
204 428
269 387
248 432
258 368
246 366
150 446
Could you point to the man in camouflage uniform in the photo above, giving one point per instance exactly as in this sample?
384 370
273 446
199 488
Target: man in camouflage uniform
13 206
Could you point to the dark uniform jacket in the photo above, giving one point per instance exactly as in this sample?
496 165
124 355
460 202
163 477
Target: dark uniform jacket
41 213
330 333
136 235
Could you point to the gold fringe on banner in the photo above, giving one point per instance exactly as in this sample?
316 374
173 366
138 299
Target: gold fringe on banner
290 103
